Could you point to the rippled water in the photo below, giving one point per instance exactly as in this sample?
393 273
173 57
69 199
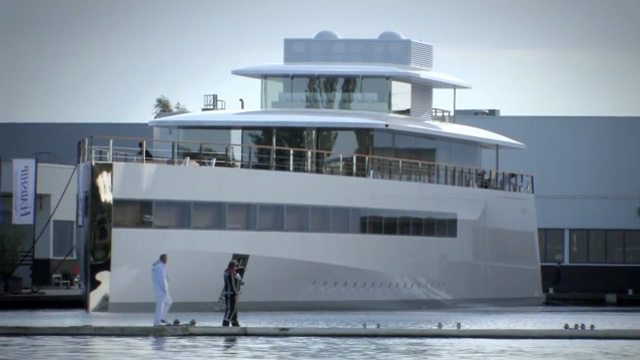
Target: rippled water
332 348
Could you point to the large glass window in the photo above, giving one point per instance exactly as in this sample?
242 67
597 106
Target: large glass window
277 217
345 93
632 247
271 217
132 213
552 243
319 219
241 217
578 246
615 246
260 156
297 218
170 214
208 215
62 239
597 246
339 220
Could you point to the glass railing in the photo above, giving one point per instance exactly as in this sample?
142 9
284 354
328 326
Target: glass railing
210 154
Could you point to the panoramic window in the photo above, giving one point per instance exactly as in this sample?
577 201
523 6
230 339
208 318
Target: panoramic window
278 217
332 92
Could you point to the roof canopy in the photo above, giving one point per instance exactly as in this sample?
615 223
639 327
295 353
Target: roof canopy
335 119
396 72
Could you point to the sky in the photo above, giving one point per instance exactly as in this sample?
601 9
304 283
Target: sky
106 61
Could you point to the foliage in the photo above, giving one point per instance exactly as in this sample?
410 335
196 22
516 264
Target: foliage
9 254
163 105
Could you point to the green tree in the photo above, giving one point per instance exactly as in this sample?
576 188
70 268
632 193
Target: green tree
163 104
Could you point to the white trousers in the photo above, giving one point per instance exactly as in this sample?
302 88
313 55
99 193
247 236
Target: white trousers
163 303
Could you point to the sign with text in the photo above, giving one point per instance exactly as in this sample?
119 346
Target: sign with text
24 191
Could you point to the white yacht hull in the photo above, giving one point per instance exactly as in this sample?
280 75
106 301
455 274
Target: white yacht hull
494 258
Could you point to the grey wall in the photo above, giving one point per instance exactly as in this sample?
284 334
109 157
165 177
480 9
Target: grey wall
586 169
19 140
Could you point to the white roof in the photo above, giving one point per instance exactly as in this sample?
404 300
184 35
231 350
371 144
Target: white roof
396 72
335 119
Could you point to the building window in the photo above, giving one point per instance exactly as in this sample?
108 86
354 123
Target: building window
551 245
62 239
597 246
632 247
578 246
615 246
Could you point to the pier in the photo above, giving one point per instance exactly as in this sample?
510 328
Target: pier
184 330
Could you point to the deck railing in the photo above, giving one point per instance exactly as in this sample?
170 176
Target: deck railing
100 149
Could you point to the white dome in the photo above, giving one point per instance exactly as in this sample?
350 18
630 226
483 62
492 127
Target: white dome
327 35
390 35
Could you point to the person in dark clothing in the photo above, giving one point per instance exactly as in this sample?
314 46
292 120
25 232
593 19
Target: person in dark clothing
147 154
231 291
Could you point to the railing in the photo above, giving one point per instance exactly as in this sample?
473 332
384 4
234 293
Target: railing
210 154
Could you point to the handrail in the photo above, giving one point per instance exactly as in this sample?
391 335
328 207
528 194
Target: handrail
301 160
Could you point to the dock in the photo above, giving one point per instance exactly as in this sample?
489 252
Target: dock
181 331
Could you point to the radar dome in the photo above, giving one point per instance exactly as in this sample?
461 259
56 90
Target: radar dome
327 35
390 35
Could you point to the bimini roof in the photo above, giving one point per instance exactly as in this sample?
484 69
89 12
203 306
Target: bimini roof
397 72
335 119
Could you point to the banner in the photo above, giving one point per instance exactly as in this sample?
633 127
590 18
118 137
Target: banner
24 191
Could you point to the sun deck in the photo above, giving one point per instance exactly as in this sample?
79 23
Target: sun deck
100 149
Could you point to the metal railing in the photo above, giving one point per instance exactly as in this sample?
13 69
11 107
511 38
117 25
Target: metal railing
100 149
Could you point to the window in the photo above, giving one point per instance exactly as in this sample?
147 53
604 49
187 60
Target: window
597 246
173 215
130 213
615 246
390 225
578 246
632 247
552 245
297 218
62 239
271 217
241 217
320 219
339 220
208 216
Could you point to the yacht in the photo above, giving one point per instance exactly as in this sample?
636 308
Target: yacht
346 190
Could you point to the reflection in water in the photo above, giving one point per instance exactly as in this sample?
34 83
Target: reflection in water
159 343
230 342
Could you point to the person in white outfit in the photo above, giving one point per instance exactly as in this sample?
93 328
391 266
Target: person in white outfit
161 288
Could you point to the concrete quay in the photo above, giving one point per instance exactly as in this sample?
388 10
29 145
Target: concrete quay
185 330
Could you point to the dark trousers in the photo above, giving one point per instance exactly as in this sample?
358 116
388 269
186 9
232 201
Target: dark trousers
231 314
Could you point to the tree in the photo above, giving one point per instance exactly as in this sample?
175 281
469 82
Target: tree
163 104
179 108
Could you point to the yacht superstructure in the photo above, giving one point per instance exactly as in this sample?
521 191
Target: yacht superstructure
346 190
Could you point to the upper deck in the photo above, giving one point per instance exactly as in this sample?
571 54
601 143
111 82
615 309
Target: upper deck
389 74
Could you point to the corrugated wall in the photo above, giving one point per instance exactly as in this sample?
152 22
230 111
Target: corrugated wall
586 169
19 140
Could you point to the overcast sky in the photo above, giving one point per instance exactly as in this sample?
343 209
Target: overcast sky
102 61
